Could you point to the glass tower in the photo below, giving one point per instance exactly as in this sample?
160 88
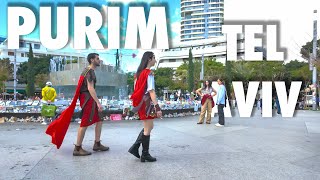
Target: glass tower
201 19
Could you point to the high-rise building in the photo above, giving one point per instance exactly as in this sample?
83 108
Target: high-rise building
201 19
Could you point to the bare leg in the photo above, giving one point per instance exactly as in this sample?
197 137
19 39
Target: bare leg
81 133
148 126
78 151
97 144
98 131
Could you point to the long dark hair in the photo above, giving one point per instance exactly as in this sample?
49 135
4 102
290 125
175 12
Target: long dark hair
204 84
144 62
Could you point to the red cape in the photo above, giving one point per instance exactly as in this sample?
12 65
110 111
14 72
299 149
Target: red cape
205 97
140 87
58 128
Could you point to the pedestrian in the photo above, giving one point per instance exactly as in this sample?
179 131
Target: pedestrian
145 103
48 96
91 107
278 105
221 102
206 93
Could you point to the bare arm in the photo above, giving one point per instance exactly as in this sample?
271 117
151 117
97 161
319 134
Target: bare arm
155 102
198 91
93 93
153 96
214 92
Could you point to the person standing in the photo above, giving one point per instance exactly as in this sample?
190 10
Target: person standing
221 102
48 96
278 106
145 103
206 93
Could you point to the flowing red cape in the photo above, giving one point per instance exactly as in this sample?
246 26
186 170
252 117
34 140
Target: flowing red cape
140 88
58 128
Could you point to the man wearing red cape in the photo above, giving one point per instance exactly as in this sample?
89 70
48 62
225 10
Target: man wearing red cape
91 107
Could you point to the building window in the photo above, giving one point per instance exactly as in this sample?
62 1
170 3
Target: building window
22 44
172 60
22 54
10 53
36 46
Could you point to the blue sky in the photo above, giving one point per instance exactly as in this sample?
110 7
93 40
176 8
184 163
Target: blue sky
129 63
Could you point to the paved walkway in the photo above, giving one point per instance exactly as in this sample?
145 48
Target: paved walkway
247 148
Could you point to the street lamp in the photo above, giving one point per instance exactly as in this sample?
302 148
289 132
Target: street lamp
206 8
15 76
314 53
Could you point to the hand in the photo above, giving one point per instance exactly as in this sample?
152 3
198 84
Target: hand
100 108
159 114
49 101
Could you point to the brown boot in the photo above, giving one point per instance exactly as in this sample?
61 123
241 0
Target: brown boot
78 151
99 147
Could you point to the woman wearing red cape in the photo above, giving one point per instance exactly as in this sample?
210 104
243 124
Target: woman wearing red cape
145 103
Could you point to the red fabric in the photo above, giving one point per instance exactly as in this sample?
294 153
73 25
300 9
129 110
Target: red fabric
138 93
87 111
205 97
58 128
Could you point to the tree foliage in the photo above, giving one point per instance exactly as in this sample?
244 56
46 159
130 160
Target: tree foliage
190 72
31 73
41 80
130 82
6 72
212 71
163 79
307 49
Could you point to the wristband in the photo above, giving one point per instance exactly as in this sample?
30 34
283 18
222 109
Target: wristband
157 107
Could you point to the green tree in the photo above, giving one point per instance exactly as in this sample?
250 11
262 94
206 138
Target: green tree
181 78
6 72
41 66
130 82
7 67
41 80
213 69
228 78
298 71
307 49
22 73
190 72
31 75
163 79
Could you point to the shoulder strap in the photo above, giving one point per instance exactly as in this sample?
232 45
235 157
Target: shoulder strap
86 72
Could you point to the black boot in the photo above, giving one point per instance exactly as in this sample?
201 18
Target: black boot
145 156
134 149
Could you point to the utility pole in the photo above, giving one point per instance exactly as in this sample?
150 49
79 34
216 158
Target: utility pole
15 75
117 60
206 7
314 53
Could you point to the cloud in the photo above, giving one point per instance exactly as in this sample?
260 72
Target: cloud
175 36
175 28
175 41
177 12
